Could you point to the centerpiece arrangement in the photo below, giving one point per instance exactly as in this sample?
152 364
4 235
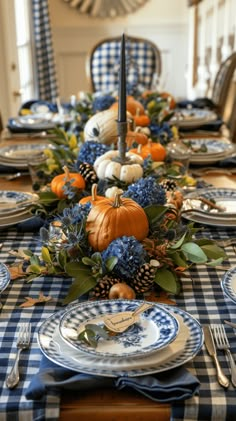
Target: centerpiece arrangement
112 210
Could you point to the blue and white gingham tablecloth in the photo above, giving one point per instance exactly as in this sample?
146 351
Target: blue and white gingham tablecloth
202 297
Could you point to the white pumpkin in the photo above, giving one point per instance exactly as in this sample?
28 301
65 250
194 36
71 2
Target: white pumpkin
112 191
102 127
106 167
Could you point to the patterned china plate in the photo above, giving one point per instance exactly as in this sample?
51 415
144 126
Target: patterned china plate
4 277
193 117
13 201
214 147
229 284
222 197
155 329
59 352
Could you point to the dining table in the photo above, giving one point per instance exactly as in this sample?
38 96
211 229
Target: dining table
201 296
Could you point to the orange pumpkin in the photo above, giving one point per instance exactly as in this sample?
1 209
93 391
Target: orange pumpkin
94 198
137 137
132 105
171 99
142 120
112 218
59 181
156 150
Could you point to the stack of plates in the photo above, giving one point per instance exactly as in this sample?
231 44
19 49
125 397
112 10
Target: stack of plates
15 207
216 150
31 122
202 213
192 118
163 338
18 156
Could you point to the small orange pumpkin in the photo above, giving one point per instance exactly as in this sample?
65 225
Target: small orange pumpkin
156 150
142 120
112 218
132 105
60 180
94 198
137 137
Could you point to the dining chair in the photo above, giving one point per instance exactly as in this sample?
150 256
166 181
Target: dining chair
222 83
143 62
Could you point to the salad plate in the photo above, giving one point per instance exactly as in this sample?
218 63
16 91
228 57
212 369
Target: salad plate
155 329
4 277
187 344
229 284
23 152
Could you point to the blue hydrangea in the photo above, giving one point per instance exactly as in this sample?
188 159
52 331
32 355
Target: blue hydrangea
90 151
146 191
130 254
103 102
162 132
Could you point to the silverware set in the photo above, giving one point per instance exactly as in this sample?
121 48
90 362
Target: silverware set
216 339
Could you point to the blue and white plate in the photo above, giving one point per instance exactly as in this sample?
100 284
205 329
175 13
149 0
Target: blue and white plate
226 198
229 284
32 122
4 277
14 201
155 329
187 344
191 118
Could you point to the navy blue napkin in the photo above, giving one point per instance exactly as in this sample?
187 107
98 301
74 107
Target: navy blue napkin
171 386
31 225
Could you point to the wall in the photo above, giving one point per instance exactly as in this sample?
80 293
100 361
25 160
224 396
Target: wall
74 34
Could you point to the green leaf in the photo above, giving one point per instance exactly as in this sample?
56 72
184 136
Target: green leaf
76 269
213 251
194 253
34 260
87 261
178 259
179 242
155 212
215 262
89 337
167 280
98 330
83 283
34 269
97 258
110 263
62 258
46 255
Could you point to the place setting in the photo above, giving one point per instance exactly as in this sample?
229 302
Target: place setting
192 117
18 156
205 151
211 206
162 338
15 207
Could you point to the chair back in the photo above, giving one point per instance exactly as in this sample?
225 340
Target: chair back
143 63
223 82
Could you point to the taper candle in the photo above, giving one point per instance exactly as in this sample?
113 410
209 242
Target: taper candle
122 84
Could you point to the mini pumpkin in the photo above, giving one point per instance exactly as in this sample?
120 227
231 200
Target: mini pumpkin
106 167
112 191
155 150
132 105
137 137
59 181
112 218
93 199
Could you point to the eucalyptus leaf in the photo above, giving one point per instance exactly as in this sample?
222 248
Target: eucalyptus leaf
46 255
155 212
215 262
88 261
98 330
179 243
213 251
34 269
110 263
194 253
167 280
179 259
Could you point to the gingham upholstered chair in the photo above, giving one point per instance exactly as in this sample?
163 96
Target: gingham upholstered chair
143 62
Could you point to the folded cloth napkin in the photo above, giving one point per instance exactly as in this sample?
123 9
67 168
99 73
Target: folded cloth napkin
31 225
212 126
197 103
176 384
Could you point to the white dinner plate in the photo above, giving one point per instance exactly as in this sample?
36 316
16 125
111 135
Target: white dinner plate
156 328
5 277
21 154
32 122
229 284
9 222
58 351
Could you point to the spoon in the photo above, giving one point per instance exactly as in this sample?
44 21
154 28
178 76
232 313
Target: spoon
121 321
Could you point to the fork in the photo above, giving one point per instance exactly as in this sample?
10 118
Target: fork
23 342
222 344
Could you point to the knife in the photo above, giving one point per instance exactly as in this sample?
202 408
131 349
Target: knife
210 345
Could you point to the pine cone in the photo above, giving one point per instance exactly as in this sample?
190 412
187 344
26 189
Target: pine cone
169 185
144 279
87 171
101 290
